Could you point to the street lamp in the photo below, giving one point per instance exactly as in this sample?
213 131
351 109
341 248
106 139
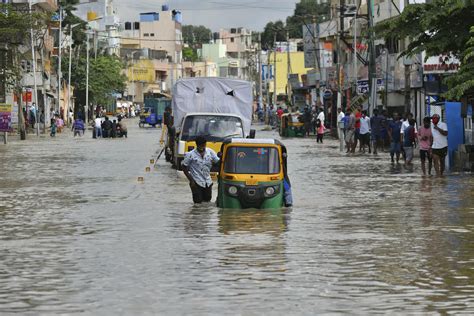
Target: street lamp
69 73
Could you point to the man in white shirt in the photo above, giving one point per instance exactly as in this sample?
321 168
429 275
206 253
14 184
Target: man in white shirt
440 144
321 116
197 166
98 127
364 133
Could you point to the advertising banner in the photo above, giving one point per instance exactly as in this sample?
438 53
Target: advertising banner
6 117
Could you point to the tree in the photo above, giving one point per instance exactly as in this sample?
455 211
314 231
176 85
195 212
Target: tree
437 27
268 35
105 78
462 83
195 36
304 13
190 54
16 24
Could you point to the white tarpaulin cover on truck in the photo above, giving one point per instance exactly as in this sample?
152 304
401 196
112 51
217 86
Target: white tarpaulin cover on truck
214 95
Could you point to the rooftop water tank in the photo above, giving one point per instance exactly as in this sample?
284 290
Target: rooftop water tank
165 7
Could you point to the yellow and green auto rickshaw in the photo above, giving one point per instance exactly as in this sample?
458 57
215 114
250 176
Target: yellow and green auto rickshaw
253 174
290 125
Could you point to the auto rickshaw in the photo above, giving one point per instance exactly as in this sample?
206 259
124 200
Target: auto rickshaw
291 126
253 174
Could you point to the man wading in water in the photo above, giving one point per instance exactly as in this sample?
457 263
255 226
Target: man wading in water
197 168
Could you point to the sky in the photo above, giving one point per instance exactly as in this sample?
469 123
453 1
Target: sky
214 14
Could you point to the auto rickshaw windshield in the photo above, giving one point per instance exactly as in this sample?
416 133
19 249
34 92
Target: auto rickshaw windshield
252 160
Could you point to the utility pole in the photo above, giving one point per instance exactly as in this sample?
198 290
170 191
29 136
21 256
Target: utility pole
372 70
407 73
288 61
87 75
60 75
274 70
340 29
259 57
35 86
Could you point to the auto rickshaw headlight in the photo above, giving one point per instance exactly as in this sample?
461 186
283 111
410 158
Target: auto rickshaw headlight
269 191
232 190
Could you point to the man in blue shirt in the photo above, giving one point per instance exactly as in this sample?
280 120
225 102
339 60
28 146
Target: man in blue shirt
394 129
197 166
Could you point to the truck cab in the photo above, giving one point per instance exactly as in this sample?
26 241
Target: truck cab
215 127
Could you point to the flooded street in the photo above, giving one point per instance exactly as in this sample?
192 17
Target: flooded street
79 234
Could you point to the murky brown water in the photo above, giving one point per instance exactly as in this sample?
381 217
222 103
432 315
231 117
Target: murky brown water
79 234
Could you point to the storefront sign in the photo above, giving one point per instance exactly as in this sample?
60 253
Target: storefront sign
441 64
6 117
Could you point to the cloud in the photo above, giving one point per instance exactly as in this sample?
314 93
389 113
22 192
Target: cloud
214 14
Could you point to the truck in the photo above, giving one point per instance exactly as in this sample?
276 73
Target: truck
216 108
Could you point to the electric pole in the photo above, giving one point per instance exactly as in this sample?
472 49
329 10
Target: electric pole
274 70
288 61
259 63
372 70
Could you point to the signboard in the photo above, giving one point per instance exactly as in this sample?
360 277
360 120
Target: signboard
440 64
6 117
327 94
310 46
294 80
363 86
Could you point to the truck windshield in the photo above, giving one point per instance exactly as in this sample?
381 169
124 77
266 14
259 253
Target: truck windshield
214 128
252 160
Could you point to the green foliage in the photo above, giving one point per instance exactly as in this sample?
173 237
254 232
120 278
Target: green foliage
190 54
105 77
462 83
15 30
269 32
437 27
69 19
195 36
304 13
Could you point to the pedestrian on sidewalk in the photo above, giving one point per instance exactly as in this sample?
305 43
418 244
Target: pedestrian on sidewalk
440 144
409 139
394 134
307 121
197 166
320 130
425 137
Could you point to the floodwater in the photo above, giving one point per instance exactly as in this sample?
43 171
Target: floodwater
79 234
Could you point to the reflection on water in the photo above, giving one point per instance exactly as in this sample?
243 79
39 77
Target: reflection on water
79 234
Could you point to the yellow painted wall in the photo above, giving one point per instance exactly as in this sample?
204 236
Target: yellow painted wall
297 66
143 70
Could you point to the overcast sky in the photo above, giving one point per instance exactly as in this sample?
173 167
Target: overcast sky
214 14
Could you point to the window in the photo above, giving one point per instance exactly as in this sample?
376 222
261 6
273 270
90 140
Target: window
136 25
152 34
231 39
128 25
214 128
146 35
252 160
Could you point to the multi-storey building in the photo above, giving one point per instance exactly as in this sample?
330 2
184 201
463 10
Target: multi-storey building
155 40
